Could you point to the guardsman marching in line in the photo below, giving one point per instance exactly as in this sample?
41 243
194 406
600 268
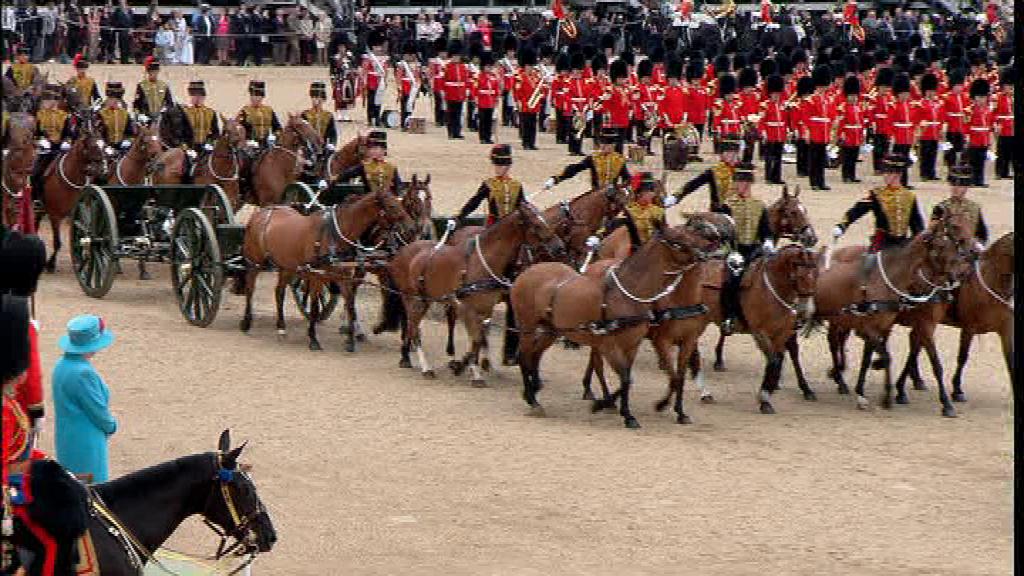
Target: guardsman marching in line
487 88
1003 116
54 130
772 126
598 87
749 108
673 107
896 212
546 67
508 82
850 132
979 130
85 86
960 179
152 94
606 165
22 72
117 125
407 76
321 120
804 89
720 178
954 107
575 105
902 123
698 100
435 73
818 119
559 89
880 117
374 77
642 213
502 193
456 78
375 172
928 115
529 94
617 105
202 118
473 67
726 120
259 120
646 96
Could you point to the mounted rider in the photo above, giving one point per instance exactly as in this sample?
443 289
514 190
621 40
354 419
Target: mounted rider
201 118
896 211
22 72
375 172
259 120
84 85
961 178
321 120
607 167
642 213
152 95
116 124
502 192
55 131
720 178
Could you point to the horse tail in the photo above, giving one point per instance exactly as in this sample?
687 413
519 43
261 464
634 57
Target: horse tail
394 309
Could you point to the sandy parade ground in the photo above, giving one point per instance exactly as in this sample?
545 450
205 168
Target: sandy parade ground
369 469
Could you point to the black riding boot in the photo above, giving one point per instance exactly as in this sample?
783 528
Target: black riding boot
510 352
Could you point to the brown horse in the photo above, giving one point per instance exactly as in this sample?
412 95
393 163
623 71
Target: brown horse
865 297
345 157
69 172
310 247
19 156
611 313
134 167
283 163
223 165
473 275
983 303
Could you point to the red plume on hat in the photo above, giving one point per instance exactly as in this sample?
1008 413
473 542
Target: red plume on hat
77 59
149 60
636 181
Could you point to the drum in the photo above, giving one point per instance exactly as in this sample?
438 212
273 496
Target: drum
417 125
390 118
636 154
345 90
674 153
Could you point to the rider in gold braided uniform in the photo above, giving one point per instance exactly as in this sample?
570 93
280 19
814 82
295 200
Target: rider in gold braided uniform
320 119
642 213
753 237
502 192
897 214
54 130
719 178
202 118
22 72
152 94
85 86
375 172
259 120
118 128
606 165
960 179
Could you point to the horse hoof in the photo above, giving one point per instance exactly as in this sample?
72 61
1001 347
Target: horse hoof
949 412
315 346
631 423
485 364
360 337
536 411
429 375
842 389
456 366
600 405
708 399
719 366
920 386
660 405
887 403
588 395
862 403
404 363
959 397
478 383
450 351
683 419
902 399
767 408
810 396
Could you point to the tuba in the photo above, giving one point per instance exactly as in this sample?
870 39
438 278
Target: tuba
568 28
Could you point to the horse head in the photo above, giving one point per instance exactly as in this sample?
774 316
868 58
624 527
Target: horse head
949 247
788 218
538 233
234 506
799 268
418 201
306 134
393 216
689 243
233 134
89 145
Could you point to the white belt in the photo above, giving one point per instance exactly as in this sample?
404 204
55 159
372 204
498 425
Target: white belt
818 119
901 125
931 123
881 115
454 83
980 128
957 115
486 92
774 123
852 126
578 99
1004 117
730 121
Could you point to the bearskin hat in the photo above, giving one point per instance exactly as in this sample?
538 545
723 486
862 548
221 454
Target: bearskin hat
598 62
957 51
865 62
1007 76
917 68
923 55
475 49
837 53
756 55
748 78
722 64
956 76
607 41
618 70
546 51
851 63
784 65
739 61
628 57
527 56
14 328
851 85
22 257
822 76
510 43
954 63
901 62
645 68
799 56
375 39
973 41
487 59
884 77
901 83
979 87
768 67
563 63
805 86
657 54
977 57
577 61
455 48
1004 57
929 82
671 44
589 51
726 84
774 84
695 69
674 68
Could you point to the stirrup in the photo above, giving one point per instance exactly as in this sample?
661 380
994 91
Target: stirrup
726 327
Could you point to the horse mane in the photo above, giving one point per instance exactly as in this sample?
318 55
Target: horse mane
189 468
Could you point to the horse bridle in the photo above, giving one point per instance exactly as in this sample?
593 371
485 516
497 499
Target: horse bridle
242 531
791 308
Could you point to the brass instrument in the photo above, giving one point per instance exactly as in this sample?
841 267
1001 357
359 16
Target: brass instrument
538 92
727 10
688 133
857 31
579 121
792 102
569 29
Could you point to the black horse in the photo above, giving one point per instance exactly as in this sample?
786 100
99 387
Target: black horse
145 508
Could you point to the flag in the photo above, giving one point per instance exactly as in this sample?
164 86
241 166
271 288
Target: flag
557 9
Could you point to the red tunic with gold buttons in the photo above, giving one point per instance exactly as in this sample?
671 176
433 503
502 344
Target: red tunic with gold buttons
577 94
456 75
618 106
436 71
817 120
487 89
979 126
750 102
880 114
527 80
902 123
1003 114
697 104
851 124
727 118
373 73
773 123
954 112
673 106
928 116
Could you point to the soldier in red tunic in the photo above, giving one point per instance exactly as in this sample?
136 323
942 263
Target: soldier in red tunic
559 88
928 117
749 107
979 126
1003 117
435 71
407 75
529 94
617 106
772 126
880 117
575 105
507 66
817 118
672 108
645 109
804 90
487 89
851 129
456 78
374 78
698 100
726 112
902 123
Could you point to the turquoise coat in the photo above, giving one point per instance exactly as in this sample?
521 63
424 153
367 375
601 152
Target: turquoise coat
83 419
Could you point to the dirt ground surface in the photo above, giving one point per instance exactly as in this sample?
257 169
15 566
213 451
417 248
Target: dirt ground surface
369 469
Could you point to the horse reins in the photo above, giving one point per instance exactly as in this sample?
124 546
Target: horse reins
1007 301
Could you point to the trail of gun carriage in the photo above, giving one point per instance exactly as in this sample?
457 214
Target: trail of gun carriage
464 305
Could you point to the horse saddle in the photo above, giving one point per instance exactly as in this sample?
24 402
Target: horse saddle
88 563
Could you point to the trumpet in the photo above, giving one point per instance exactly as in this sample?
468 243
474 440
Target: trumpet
538 92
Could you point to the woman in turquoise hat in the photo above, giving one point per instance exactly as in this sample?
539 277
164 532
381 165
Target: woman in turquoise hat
81 400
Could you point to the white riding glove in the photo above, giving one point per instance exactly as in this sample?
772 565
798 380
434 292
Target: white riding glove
191 153
208 147
322 183
549 183
945 146
590 115
126 144
329 147
837 232
143 118
734 261
251 143
109 151
593 243
64 146
669 201
768 246
990 156
978 246
451 224
100 144
44 144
